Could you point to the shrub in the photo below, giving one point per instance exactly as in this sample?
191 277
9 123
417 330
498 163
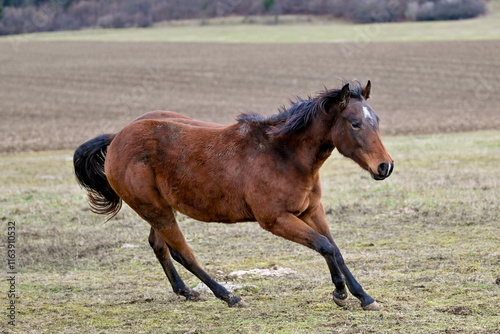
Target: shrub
17 21
161 11
84 13
450 10
116 20
368 11
143 20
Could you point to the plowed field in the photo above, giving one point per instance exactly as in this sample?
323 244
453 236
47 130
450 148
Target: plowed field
55 95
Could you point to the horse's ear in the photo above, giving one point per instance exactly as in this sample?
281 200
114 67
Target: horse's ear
366 90
345 96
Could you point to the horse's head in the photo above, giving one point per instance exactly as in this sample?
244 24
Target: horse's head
356 133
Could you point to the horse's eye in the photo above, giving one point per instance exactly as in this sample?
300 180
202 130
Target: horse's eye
355 126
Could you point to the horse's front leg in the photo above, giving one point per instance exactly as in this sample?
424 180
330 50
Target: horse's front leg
294 229
316 218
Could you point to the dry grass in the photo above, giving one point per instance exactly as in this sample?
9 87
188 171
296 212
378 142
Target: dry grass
424 243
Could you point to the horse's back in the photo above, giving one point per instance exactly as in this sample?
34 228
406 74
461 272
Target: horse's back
176 117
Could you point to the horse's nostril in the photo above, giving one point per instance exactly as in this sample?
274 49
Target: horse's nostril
383 169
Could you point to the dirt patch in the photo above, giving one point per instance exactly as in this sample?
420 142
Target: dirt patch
457 310
231 287
55 95
274 271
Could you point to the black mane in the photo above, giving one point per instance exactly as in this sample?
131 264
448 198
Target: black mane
300 113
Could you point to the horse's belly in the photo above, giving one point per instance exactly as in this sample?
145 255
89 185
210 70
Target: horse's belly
212 207
214 213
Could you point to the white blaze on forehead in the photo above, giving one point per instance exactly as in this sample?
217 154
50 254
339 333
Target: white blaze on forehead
369 115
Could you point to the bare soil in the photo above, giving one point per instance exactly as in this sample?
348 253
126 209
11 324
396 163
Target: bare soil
56 95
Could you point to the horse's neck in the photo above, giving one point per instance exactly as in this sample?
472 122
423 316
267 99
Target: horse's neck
313 145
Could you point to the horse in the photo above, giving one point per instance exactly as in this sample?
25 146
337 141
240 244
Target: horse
263 169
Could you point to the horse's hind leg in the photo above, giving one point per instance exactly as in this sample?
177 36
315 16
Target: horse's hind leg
165 225
163 255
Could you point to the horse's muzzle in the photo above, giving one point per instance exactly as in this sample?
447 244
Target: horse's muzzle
384 170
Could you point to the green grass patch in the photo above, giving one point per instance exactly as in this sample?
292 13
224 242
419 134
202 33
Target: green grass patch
424 243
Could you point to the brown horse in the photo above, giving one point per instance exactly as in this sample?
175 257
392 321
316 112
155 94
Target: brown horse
263 169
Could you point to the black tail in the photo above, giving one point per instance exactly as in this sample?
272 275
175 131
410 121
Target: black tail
89 169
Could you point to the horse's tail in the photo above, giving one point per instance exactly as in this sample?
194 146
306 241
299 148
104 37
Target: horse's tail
89 169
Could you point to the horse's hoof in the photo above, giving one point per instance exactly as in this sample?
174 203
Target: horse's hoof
372 307
340 302
190 295
240 304
340 299
194 297
235 301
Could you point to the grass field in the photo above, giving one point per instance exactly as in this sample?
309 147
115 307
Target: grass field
424 243
487 28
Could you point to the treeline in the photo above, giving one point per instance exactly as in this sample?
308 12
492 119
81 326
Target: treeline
24 16
368 11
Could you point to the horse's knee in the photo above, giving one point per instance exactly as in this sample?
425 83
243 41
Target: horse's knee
324 247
